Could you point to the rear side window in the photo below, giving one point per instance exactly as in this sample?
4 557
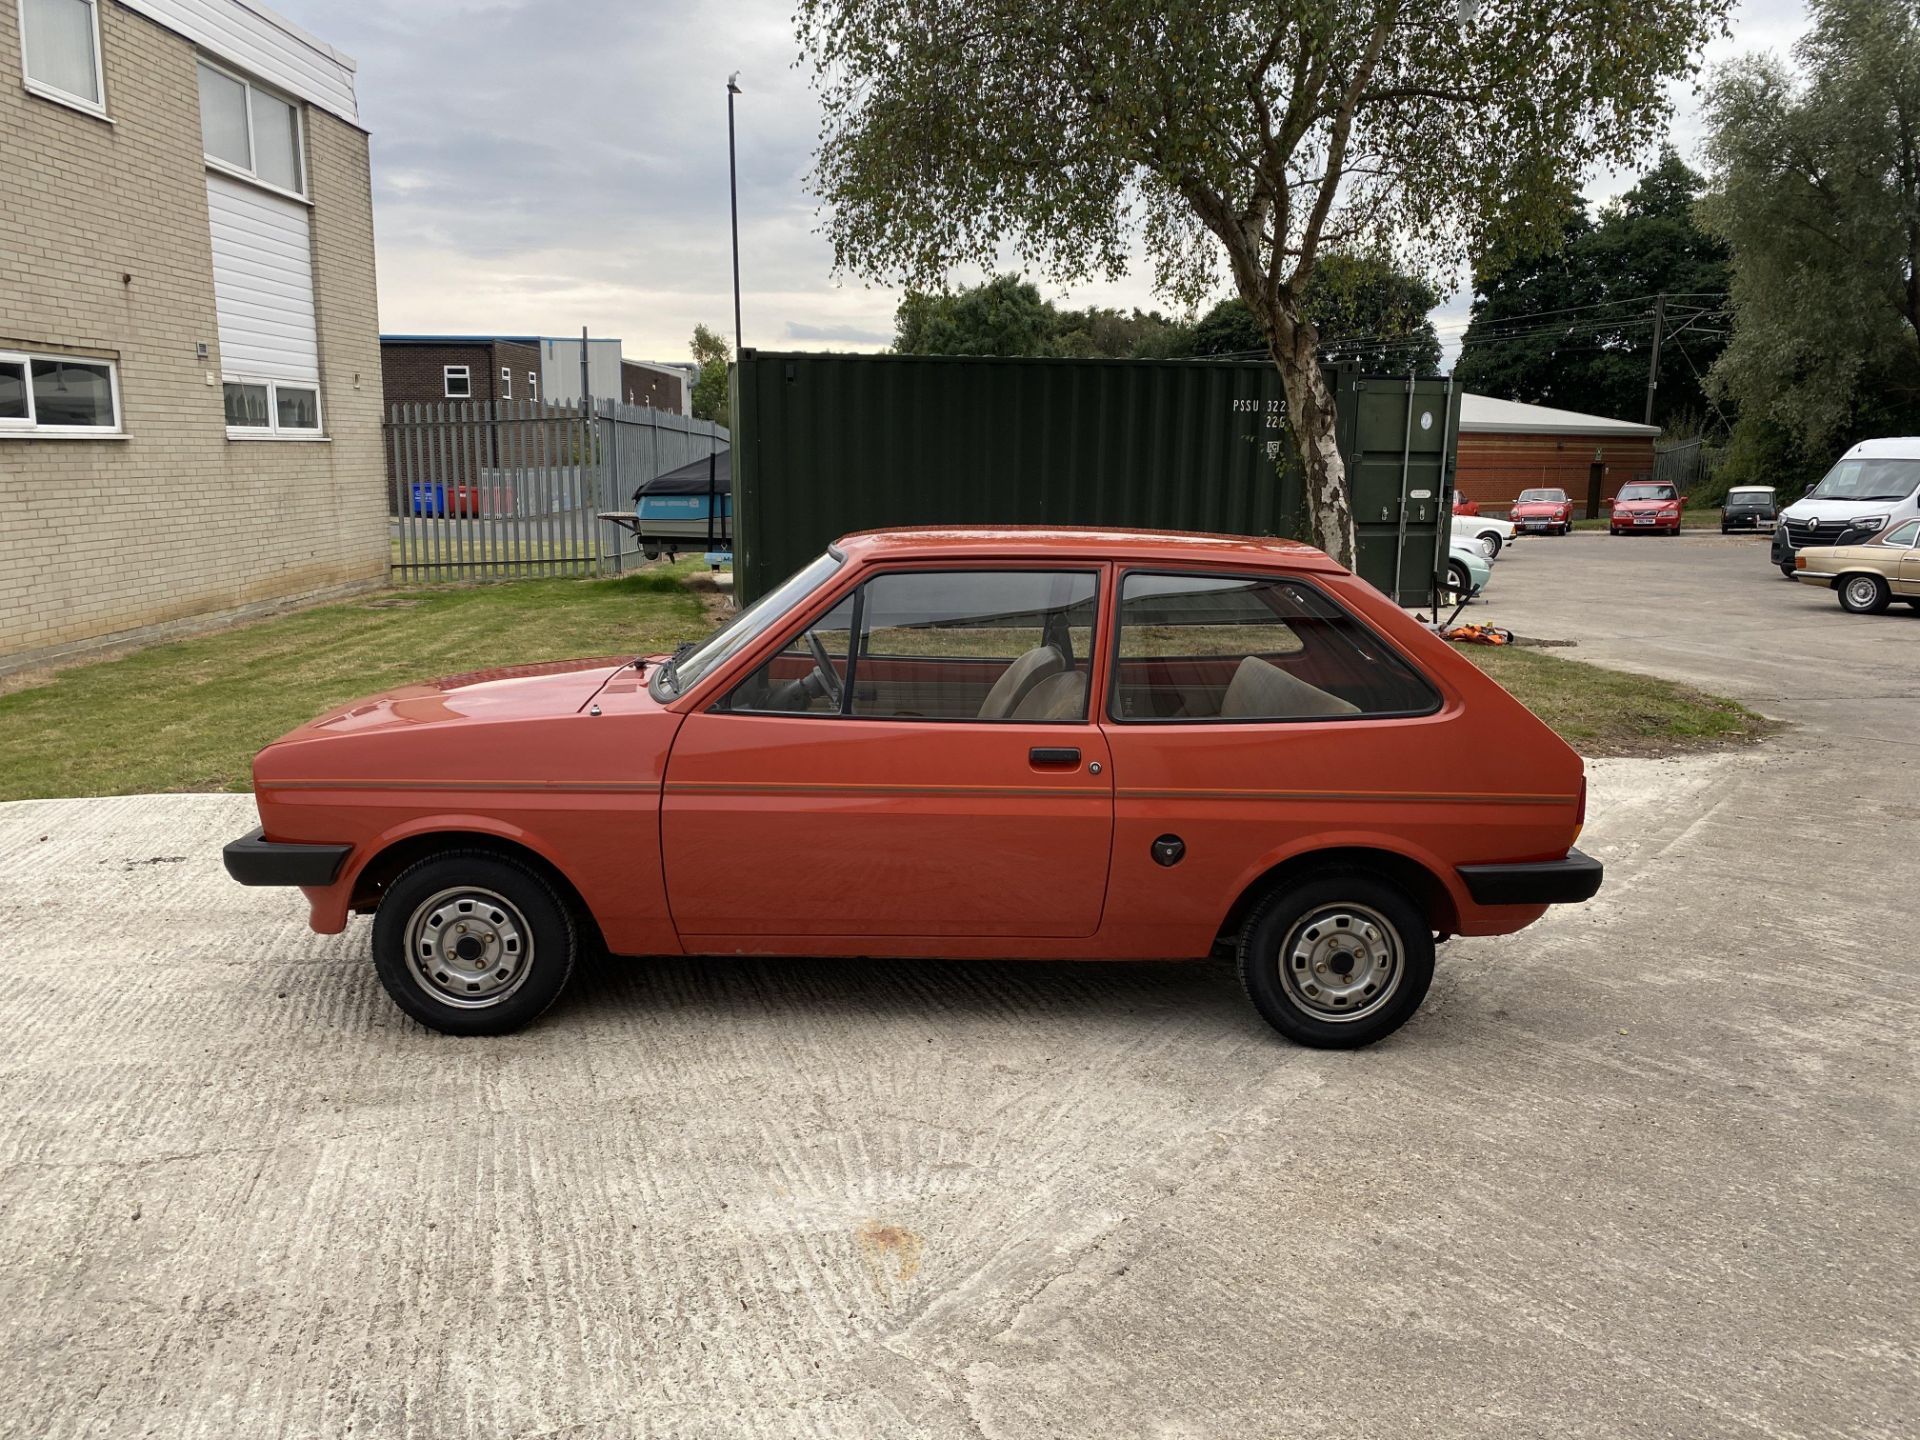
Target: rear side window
1220 648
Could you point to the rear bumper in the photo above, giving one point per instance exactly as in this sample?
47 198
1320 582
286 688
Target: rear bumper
1542 882
253 860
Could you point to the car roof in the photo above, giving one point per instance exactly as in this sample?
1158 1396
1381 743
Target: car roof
1083 543
1889 447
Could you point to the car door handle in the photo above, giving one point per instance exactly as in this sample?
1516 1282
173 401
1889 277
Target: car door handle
1054 755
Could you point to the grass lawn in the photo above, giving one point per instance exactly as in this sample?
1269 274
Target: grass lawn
1609 712
189 715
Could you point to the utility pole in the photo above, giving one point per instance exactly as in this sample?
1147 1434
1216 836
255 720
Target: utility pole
733 191
1653 366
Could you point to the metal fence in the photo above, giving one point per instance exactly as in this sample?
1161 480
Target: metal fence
1687 464
484 490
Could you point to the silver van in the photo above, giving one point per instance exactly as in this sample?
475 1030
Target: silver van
1872 486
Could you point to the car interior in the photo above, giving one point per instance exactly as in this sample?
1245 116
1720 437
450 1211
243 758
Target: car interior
948 647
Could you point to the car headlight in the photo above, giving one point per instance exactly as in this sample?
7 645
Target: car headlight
1868 522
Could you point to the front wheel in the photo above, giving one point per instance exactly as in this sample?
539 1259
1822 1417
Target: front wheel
473 943
1336 961
1493 544
1459 580
1787 570
1864 594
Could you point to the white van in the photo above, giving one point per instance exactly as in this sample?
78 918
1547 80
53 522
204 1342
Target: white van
1872 486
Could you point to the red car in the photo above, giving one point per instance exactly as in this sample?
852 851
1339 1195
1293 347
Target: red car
1646 507
1464 506
1549 512
1057 744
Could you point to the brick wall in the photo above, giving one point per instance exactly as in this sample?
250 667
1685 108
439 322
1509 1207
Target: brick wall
108 252
1494 469
643 385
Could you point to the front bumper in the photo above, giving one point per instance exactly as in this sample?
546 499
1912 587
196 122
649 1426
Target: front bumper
254 860
1540 882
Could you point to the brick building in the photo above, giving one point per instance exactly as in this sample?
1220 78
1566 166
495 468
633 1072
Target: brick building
1507 447
430 369
189 355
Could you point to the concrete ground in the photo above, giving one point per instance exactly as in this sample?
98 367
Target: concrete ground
1649 1168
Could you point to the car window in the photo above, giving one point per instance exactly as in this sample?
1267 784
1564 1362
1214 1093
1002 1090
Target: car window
1868 479
1246 648
793 682
1905 536
1542 497
1647 492
746 627
994 645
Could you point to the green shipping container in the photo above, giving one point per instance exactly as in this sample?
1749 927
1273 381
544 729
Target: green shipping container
828 444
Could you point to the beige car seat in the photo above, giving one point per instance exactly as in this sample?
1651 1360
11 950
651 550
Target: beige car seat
1260 691
1058 697
1018 679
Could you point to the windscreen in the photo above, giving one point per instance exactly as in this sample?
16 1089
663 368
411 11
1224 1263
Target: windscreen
1646 492
1868 479
744 628
1542 497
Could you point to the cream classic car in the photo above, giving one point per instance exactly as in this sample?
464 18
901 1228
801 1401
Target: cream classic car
1867 576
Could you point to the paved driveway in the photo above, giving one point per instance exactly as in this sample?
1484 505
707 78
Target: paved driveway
1649 1168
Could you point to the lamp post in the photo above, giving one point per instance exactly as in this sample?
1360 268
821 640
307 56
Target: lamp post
733 190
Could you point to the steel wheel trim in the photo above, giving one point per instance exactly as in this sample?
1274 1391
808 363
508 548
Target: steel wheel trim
1341 962
468 947
1862 591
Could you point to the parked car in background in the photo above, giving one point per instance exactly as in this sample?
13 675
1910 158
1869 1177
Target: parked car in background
1548 511
1874 485
1747 507
1057 744
1469 568
1868 576
1646 507
1464 506
1496 533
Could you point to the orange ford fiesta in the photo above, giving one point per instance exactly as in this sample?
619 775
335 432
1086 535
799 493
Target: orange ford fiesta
1047 743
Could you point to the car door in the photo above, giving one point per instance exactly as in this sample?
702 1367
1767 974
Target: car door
920 762
1906 576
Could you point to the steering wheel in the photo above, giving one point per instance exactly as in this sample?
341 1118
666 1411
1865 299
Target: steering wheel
823 666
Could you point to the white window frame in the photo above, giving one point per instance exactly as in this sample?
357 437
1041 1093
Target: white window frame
31 429
506 382
272 429
446 382
96 108
533 384
227 167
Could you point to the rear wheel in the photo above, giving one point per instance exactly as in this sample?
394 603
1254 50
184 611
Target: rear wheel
1492 537
1336 960
1864 594
473 943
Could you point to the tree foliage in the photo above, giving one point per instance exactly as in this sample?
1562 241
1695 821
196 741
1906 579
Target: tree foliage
1223 136
1570 324
711 400
1007 316
1817 188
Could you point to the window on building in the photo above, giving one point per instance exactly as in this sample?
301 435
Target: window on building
62 51
457 382
263 409
533 385
250 131
58 395
506 382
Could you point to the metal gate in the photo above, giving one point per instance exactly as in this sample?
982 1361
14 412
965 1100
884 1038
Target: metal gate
498 489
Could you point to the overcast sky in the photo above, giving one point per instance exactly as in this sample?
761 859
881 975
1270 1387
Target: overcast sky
539 167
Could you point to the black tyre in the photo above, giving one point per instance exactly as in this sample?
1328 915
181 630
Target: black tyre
473 943
1492 537
1458 579
1863 594
1337 959
1787 570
